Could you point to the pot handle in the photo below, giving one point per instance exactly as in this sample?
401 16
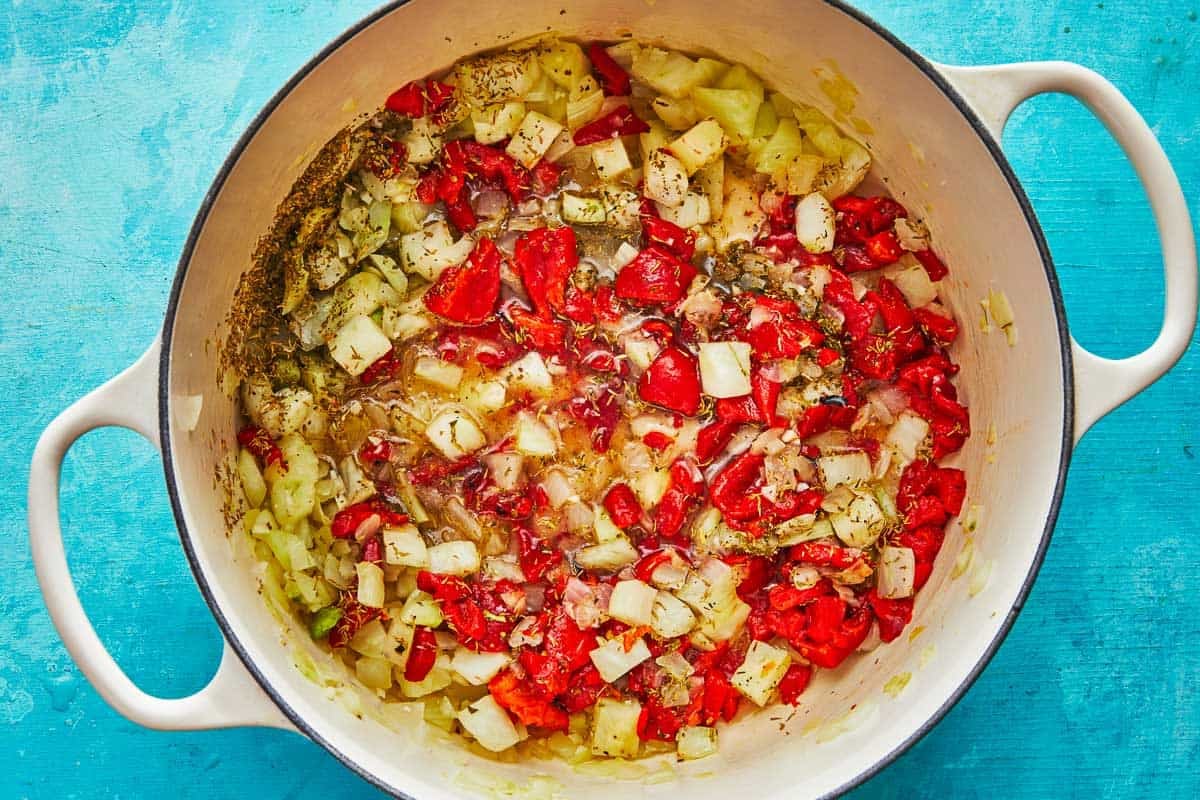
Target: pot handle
232 698
994 92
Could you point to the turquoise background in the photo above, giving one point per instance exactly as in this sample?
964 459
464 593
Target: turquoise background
114 117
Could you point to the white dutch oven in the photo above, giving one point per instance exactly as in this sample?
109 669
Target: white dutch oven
940 155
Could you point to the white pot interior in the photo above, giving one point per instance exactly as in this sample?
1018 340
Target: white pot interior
932 160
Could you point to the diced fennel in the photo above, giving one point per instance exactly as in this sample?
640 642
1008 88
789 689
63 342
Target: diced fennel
454 558
760 672
613 659
693 211
580 210
478 668
439 372
725 368
529 374
735 109
420 608
610 159
489 724
699 146
608 556
632 602
497 122
666 71
430 250
614 731
534 438
695 741
897 571
815 223
454 433
670 616
253 485
666 181
371 591
533 138
404 546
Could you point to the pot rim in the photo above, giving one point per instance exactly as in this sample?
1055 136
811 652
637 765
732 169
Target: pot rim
919 62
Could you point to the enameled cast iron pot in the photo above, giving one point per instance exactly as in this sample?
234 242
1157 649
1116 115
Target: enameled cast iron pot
940 156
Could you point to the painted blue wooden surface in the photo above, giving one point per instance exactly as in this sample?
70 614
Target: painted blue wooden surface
114 116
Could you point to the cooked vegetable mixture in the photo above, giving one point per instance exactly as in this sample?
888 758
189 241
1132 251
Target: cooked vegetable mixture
602 408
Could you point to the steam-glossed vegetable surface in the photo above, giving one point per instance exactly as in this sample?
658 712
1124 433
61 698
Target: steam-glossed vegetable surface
599 408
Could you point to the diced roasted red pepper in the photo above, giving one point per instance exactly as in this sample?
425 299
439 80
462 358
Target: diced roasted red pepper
567 643
926 543
737 409
526 702
644 569
822 554
766 396
613 78
794 682
932 264
374 452
546 175
621 121
622 506
657 440
672 381
261 445
544 334
583 689
599 408
893 615
422 655
535 558
408 100
854 258
545 259
713 438
677 240
347 521
942 331
731 487
654 277
777 329
883 248
684 492
467 293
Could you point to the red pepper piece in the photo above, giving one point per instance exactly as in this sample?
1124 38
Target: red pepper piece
766 396
884 248
784 597
794 682
731 486
684 492
467 293
439 95
460 214
672 381
490 345
583 689
856 259
942 331
375 452
657 441
621 121
545 335
526 702
533 555
839 293
677 240
933 265
546 176
545 259
600 410
778 330
422 655
622 506
494 165
893 615
713 438
613 78
348 520
822 554
261 445
567 643
654 277
926 543
644 569
408 100
825 615
737 409
604 301
579 305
